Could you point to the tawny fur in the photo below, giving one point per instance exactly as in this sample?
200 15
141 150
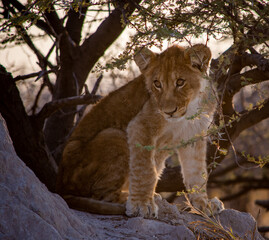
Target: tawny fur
118 147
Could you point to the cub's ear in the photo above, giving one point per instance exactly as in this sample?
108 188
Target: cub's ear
199 56
143 57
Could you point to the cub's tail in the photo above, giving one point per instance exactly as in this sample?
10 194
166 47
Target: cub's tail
94 206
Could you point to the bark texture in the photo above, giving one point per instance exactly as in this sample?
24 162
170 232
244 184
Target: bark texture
28 141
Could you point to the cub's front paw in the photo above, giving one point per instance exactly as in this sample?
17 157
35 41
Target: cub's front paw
199 200
209 207
215 206
141 208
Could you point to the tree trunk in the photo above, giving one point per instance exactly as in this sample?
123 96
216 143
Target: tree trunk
28 141
76 63
59 123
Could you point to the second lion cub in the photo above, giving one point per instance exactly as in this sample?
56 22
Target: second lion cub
106 155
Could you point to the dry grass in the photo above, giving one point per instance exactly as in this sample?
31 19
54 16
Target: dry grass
211 227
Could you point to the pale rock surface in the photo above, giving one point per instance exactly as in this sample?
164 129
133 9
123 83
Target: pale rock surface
29 211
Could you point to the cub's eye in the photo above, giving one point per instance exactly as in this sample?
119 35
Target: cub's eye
157 84
180 82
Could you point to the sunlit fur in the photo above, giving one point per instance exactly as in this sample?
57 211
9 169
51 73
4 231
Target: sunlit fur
118 147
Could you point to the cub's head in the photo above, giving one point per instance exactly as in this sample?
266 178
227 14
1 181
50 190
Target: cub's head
174 77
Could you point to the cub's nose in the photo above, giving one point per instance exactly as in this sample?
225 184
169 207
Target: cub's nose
171 113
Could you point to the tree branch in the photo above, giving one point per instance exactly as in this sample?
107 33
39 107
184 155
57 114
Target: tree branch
263 229
108 31
241 192
248 184
54 21
50 107
232 130
39 23
238 81
219 65
229 83
242 160
75 22
42 60
255 59
96 85
249 118
263 203
31 75
263 182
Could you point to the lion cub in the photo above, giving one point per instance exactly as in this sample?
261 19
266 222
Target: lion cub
119 145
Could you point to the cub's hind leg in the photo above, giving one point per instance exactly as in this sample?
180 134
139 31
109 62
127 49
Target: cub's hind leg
93 173
109 156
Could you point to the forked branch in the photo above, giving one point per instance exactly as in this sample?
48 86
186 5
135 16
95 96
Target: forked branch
31 75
